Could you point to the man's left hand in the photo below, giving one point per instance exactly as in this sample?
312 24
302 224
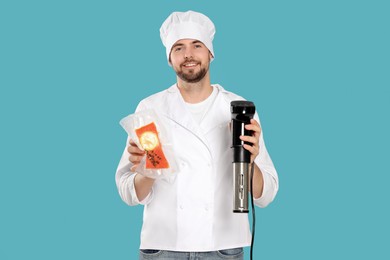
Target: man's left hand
254 139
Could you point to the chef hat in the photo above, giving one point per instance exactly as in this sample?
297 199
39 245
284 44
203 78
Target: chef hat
187 25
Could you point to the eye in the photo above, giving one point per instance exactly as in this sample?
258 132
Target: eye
177 49
198 46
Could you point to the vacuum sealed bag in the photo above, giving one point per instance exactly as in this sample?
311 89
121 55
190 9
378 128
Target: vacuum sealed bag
148 132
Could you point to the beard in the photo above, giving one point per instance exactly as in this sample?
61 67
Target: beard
190 76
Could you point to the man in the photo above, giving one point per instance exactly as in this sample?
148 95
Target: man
192 216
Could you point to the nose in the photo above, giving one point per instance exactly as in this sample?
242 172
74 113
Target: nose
188 53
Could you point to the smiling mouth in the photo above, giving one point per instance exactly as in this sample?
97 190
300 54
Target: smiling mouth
189 64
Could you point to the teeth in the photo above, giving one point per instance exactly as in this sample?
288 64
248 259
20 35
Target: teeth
189 64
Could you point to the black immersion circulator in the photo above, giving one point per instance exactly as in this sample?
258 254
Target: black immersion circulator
242 113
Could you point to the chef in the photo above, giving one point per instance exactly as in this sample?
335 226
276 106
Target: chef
192 216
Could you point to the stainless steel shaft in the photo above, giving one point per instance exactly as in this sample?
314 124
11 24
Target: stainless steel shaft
241 187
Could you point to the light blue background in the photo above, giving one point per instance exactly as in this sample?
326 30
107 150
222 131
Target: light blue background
318 72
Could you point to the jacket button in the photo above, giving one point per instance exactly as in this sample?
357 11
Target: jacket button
181 207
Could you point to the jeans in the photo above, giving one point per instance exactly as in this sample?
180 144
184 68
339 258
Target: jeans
233 254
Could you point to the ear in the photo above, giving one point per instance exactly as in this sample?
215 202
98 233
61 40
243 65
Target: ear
210 55
169 61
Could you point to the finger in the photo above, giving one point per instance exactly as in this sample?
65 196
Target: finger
251 139
132 143
135 150
256 135
135 159
253 127
252 149
254 123
132 169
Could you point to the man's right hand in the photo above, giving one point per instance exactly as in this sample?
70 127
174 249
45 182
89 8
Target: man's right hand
136 155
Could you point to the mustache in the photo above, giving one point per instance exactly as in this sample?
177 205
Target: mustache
190 61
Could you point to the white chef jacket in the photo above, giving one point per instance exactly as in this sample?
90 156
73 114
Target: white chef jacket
194 212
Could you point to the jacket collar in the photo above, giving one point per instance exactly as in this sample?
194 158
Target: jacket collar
178 112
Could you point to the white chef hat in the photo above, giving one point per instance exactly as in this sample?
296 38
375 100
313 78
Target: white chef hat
187 25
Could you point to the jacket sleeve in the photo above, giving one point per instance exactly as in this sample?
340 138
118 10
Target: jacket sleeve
270 176
124 179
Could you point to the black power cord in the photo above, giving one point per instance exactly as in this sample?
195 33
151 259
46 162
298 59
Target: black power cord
253 210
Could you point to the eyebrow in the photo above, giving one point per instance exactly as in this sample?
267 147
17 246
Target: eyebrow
181 44
177 44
